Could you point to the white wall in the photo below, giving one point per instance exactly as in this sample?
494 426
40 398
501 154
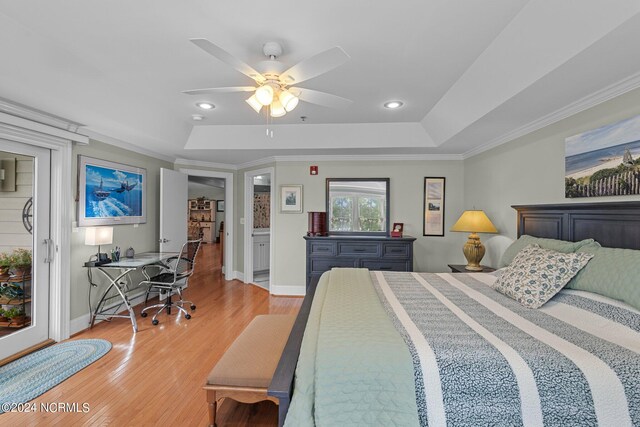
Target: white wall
407 179
530 170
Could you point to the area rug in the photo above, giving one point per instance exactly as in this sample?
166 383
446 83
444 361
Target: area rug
30 376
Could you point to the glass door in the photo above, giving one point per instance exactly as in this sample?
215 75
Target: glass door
25 247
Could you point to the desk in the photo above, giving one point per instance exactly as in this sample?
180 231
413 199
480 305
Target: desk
115 272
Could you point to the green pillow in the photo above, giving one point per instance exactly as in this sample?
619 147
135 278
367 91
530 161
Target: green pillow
552 244
612 272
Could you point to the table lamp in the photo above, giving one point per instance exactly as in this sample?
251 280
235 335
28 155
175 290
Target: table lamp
99 236
474 222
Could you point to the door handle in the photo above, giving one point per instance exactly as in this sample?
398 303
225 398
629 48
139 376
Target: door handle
49 256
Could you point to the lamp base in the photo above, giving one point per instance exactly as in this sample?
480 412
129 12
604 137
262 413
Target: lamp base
473 251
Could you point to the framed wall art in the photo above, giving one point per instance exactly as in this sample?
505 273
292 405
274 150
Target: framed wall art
220 206
433 209
604 161
291 198
110 193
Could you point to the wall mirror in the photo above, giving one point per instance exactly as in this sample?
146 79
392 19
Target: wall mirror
358 206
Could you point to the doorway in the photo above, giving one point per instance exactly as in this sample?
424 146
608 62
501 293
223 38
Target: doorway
206 200
259 208
220 230
25 246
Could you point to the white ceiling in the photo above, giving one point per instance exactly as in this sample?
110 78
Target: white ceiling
471 73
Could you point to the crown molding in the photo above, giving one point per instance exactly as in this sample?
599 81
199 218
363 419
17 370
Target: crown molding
349 158
367 157
19 110
28 124
619 88
258 162
204 164
127 146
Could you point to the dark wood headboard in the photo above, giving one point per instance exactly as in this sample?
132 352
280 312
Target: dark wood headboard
612 224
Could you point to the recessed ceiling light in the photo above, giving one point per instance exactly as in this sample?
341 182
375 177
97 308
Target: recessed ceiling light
393 104
197 117
205 105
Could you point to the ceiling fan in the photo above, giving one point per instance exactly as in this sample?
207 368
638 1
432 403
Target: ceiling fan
275 83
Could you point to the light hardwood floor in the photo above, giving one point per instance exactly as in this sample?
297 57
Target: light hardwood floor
155 377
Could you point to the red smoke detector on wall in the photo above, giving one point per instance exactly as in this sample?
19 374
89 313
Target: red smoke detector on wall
313 170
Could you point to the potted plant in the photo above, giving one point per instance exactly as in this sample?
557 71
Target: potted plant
21 263
5 265
16 314
3 317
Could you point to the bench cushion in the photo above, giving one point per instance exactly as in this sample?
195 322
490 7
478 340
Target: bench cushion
253 357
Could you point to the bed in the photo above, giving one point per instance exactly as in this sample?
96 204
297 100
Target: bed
438 349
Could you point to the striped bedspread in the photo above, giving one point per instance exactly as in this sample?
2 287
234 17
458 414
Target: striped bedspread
481 358
409 349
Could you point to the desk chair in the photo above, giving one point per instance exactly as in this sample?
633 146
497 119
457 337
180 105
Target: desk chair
172 278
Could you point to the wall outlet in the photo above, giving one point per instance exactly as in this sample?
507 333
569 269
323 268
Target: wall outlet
242 221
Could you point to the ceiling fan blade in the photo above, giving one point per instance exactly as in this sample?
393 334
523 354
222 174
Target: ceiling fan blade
314 66
219 90
227 58
321 98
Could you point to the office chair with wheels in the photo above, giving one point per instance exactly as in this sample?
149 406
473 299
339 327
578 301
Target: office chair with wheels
171 279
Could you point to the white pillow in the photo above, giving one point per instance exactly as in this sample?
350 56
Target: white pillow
535 275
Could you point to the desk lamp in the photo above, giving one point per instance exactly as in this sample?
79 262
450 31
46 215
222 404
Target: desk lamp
99 236
474 222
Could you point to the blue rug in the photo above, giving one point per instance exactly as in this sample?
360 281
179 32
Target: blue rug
30 376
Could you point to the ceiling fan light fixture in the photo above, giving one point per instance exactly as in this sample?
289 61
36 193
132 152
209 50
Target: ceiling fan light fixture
264 94
254 103
288 100
277 110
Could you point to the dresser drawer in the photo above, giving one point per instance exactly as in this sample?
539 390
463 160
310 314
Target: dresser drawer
383 265
372 252
395 250
358 249
326 264
322 249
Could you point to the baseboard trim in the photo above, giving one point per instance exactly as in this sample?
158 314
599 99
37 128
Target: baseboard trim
294 291
81 323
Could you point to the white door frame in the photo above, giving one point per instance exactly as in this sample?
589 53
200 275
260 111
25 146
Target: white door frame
228 271
248 223
60 143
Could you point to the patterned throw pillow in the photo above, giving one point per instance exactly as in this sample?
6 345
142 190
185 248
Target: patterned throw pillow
537 274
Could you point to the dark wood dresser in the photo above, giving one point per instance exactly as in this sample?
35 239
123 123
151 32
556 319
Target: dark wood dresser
372 252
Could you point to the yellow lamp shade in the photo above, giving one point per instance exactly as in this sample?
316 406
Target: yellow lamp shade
289 101
474 222
254 103
264 94
277 110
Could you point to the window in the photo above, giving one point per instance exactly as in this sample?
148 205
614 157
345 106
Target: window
357 205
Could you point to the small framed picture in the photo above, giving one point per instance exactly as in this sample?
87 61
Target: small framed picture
220 206
433 213
398 229
291 198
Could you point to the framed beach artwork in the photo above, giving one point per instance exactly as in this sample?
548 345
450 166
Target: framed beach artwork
291 198
110 193
604 161
433 212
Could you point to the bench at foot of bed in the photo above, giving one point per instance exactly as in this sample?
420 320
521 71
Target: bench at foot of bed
246 368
